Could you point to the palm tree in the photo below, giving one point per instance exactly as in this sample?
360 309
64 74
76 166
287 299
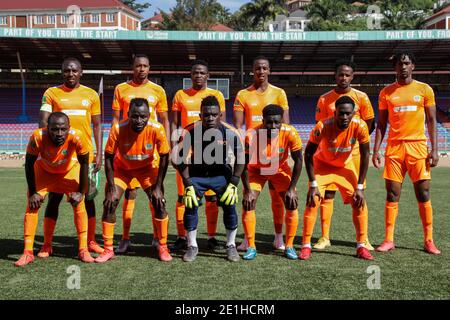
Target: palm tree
258 12
327 14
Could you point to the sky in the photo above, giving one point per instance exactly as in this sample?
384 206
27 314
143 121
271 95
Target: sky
166 5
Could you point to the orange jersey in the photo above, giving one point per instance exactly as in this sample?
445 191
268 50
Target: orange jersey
336 145
53 158
155 95
252 102
188 103
406 106
79 104
262 151
136 150
325 104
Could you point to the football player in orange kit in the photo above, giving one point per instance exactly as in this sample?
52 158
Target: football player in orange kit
247 109
267 149
82 106
139 87
49 167
129 154
334 140
186 109
406 105
325 109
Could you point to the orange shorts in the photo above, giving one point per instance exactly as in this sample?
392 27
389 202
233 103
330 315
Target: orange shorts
406 156
58 183
345 179
180 187
280 180
146 177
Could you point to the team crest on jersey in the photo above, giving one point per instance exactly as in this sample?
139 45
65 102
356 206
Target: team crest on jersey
148 146
352 140
84 103
64 152
151 99
417 98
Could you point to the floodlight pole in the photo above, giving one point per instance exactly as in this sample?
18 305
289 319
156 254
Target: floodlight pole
23 117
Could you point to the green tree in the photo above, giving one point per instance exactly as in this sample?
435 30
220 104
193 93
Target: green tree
405 14
327 15
138 7
195 15
254 15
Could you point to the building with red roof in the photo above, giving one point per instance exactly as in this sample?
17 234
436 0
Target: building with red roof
439 20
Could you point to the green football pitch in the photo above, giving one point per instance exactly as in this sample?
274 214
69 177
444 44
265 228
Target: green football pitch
406 273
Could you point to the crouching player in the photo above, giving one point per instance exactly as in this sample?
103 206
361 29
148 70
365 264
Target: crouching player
49 167
337 137
129 154
267 148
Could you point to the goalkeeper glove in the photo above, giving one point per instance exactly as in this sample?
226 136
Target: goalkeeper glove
190 198
230 196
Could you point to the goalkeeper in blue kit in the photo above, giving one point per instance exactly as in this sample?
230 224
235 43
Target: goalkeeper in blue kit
210 156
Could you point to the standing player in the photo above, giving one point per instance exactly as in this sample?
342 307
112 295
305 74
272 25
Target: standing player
186 108
332 164
247 109
129 154
138 87
405 105
82 106
49 167
325 109
271 141
203 159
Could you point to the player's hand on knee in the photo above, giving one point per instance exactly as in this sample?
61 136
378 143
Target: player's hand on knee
35 201
358 198
230 196
190 197
75 198
291 200
111 200
376 160
313 192
158 201
249 200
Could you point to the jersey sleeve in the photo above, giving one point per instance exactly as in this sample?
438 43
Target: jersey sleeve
176 103
95 106
282 100
111 144
81 145
162 101
429 100
162 145
317 133
116 100
295 143
363 133
382 101
320 110
365 108
238 105
34 143
47 101
221 100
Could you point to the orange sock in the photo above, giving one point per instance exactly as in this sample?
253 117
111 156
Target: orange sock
108 234
179 215
212 215
277 210
49 229
309 220
360 221
249 222
81 223
127 215
291 226
29 228
326 211
390 215
162 227
92 224
426 214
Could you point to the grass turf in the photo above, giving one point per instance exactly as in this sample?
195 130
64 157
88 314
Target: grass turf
406 273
